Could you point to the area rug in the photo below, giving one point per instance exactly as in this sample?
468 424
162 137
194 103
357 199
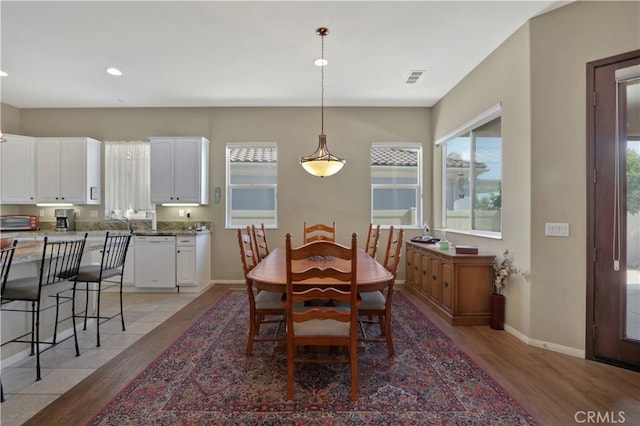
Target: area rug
205 378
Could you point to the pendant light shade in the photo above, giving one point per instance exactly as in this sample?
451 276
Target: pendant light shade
322 163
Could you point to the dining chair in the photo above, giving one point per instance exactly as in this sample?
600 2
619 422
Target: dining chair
372 240
99 277
320 324
379 303
59 263
263 305
319 232
260 241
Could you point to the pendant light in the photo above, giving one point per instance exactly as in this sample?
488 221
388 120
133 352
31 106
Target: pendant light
322 163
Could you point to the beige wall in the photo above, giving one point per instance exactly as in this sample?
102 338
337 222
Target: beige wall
562 43
502 78
344 197
9 119
539 75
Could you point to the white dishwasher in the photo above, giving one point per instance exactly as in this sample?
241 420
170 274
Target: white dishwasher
155 261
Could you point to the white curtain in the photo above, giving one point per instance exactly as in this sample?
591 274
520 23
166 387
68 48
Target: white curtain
127 177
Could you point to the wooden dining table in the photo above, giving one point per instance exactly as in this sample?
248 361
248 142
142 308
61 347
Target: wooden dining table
271 273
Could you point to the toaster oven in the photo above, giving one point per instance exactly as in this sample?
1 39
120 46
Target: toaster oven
19 222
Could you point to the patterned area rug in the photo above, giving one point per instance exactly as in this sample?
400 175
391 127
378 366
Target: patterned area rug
205 378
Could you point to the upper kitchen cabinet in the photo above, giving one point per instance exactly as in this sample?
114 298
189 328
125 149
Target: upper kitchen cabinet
179 170
17 157
68 170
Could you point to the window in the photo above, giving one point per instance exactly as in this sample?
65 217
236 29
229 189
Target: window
252 178
127 177
396 184
473 176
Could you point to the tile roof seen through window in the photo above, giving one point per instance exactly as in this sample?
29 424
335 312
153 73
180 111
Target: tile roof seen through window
254 154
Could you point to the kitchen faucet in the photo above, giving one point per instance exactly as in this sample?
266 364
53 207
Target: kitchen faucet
124 220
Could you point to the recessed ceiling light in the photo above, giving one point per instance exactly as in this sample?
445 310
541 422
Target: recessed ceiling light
3 74
114 71
321 62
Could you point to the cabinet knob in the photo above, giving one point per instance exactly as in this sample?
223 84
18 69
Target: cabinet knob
433 277
446 284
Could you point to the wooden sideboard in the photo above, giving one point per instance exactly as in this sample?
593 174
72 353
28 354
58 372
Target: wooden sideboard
456 286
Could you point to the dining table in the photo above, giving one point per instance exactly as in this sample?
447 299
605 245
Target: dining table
271 273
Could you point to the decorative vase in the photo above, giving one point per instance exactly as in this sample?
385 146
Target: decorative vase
497 311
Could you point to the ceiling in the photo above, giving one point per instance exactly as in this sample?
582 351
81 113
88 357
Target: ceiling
242 53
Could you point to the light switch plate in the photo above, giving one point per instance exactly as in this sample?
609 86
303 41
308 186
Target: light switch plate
556 229
94 213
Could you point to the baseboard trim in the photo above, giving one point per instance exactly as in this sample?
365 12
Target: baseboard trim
578 353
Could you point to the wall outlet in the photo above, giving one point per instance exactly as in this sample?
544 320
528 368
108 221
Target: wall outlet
556 229
77 213
41 214
180 213
94 213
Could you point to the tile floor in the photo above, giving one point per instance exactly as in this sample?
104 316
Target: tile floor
61 369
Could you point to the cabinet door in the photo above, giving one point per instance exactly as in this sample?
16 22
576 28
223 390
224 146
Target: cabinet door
73 162
417 269
17 158
446 277
434 278
186 265
408 268
187 170
162 171
425 267
48 171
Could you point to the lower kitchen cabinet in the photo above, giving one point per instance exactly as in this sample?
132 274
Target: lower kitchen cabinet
193 254
456 286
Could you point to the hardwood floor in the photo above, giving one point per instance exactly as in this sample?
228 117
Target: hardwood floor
557 389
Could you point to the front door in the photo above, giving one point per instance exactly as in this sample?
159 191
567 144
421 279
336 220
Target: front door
613 299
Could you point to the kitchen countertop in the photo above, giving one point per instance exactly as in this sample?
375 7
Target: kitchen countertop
29 248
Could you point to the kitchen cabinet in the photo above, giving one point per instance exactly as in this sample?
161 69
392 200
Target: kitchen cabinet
17 160
456 286
68 170
179 170
193 261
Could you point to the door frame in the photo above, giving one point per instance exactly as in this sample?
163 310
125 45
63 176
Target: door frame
590 175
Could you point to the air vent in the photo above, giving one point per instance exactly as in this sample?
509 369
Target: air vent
413 76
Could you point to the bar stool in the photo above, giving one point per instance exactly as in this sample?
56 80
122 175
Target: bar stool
96 279
6 257
60 263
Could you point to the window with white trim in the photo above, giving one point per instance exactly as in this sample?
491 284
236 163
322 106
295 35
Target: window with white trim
472 159
127 179
396 184
252 183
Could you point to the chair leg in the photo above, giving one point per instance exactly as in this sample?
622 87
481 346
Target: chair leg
33 328
121 304
98 315
73 319
86 305
37 340
252 334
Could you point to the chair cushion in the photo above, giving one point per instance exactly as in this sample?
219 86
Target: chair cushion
91 273
373 300
269 300
21 289
321 328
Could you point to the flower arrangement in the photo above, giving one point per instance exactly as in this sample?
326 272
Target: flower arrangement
503 269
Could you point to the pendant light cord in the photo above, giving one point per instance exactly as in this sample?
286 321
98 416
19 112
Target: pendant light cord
322 86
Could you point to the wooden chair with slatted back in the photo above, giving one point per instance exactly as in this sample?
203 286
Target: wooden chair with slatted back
378 303
319 232
260 238
372 240
263 305
322 325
